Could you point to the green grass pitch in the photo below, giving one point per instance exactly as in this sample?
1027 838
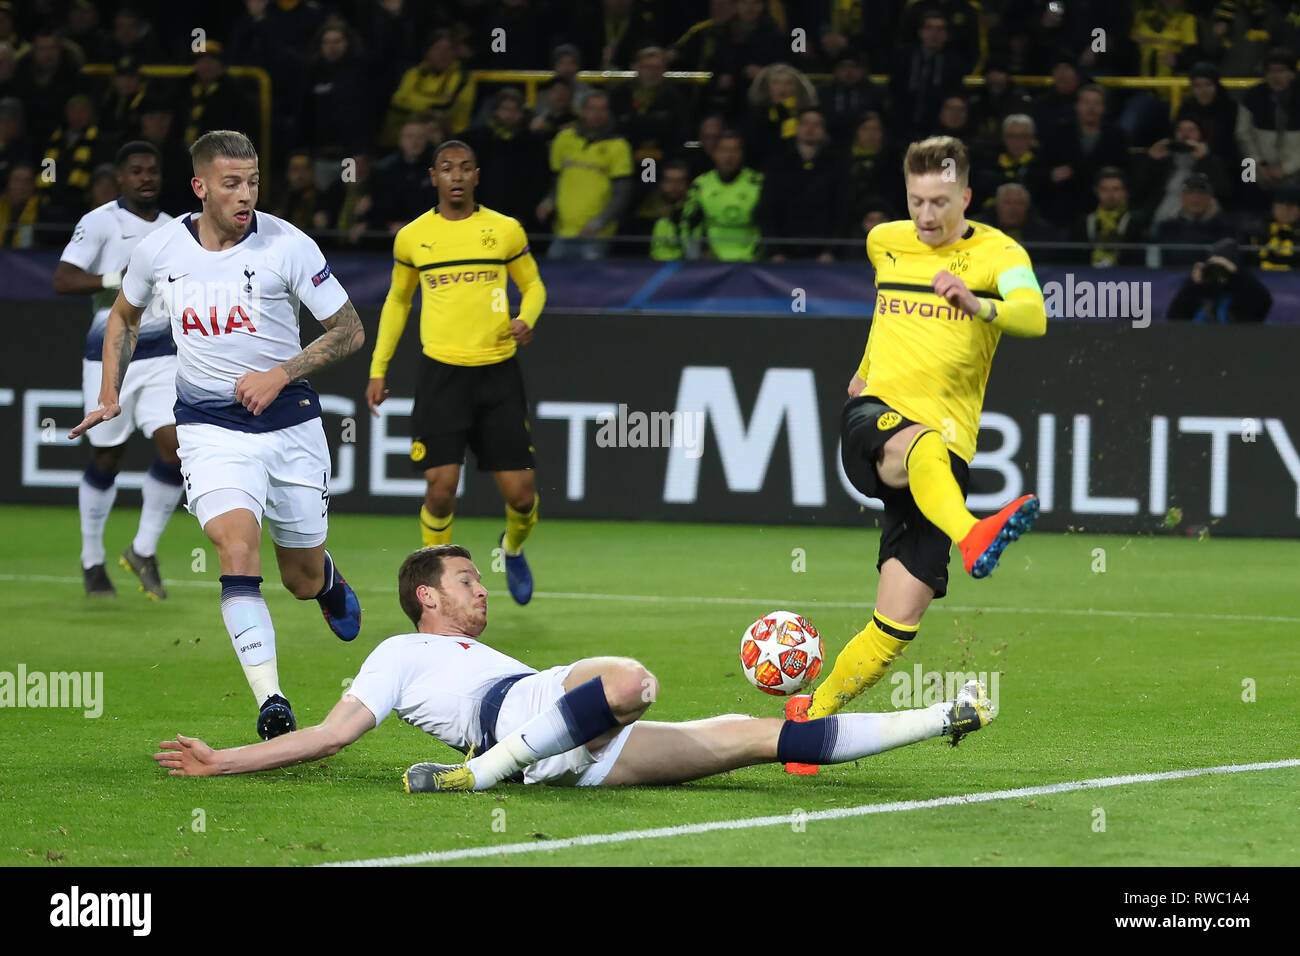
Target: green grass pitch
1095 692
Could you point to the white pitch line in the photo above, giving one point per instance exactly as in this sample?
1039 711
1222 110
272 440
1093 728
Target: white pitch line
761 602
839 813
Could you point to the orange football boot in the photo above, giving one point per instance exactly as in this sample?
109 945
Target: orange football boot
982 547
796 709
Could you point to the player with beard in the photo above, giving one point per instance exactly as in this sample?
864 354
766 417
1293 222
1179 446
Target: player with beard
576 724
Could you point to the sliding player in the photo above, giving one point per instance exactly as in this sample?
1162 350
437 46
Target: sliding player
251 441
574 725
92 264
470 390
946 291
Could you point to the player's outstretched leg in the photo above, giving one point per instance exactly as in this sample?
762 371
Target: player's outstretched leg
659 753
846 737
985 542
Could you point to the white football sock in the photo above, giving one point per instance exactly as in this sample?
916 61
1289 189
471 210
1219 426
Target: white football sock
248 622
264 679
545 735
160 499
95 505
861 735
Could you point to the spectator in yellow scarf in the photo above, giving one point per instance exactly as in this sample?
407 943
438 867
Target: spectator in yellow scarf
778 94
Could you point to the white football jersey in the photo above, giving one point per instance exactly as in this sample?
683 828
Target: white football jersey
103 242
233 312
433 682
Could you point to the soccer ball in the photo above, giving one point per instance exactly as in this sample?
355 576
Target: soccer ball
781 653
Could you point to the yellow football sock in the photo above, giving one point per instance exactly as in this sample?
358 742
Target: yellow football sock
434 530
863 661
519 526
935 488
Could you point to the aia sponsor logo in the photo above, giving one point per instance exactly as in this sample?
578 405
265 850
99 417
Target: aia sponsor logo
236 319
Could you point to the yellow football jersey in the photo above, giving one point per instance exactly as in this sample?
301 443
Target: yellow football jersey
586 170
926 358
461 266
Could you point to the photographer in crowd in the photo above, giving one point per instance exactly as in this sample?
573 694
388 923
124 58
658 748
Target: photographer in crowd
1220 290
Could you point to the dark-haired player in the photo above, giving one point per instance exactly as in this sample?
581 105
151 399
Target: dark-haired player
92 264
470 391
576 724
230 281
946 290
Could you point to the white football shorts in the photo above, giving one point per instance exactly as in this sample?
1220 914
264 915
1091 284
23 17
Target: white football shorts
282 475
147 398
578 767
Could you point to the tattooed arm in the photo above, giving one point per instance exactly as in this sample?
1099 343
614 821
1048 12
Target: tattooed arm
343 336
119 345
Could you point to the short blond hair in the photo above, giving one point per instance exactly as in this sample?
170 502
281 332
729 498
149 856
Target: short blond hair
938 154
226 143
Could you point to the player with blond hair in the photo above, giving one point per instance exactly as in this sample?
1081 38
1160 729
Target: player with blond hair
946 291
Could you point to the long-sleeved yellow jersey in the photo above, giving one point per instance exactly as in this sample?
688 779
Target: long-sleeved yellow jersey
461 266
927 359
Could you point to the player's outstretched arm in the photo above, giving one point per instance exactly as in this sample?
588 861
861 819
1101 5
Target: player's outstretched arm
344 334
119 345
191 757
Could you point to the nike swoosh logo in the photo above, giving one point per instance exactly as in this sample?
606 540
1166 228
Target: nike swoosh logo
524 739
132 236
172 278
245 631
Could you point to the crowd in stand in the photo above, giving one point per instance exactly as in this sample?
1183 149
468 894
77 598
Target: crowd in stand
789 143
